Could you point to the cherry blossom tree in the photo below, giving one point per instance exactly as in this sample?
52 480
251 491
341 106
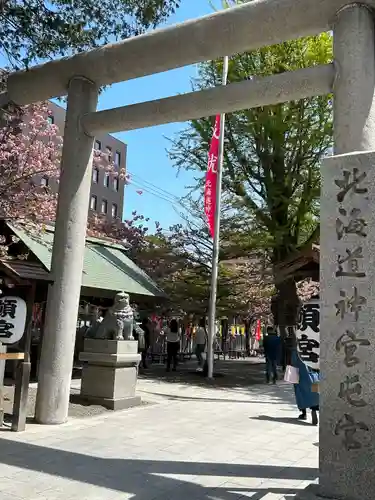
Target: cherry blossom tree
307 289
30 154
132 233
30 150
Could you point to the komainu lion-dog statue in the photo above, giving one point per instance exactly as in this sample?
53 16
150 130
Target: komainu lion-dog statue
117 324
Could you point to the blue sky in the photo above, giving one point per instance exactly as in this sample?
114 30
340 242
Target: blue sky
147 156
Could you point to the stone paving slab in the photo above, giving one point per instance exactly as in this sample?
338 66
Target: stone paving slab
232 374
194 443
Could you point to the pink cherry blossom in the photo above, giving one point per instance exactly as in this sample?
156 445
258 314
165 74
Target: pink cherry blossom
30 150
30 154
307 289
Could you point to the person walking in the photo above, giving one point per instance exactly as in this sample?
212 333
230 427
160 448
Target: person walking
272 348
146 327
200 343
306 398
173 344
139 335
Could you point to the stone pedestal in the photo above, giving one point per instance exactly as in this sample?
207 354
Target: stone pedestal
109 375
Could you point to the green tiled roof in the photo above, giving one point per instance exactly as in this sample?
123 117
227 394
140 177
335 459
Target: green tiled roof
106 265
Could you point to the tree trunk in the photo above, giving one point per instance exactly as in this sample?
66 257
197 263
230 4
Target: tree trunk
285 308
287 304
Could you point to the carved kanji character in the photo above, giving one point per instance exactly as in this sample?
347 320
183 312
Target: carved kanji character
350 388
350 304
350 343
350 181
352 265
349 427
356 225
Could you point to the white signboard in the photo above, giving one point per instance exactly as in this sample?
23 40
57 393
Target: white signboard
12 319
308 334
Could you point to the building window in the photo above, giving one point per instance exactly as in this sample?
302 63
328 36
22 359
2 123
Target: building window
104 206
109 154
44 181
93 202
106 179
115 183
95 175
50 119
114 210
98 145
117 158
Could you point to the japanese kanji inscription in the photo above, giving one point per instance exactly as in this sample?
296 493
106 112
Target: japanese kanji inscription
350 302
349 265
348 427
308 334
351 180
347 341
12 319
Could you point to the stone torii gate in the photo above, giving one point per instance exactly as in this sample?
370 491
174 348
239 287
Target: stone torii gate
347 417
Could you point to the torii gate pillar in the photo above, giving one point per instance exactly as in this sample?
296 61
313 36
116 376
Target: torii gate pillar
56 361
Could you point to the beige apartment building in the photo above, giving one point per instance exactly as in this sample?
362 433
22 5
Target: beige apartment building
107 191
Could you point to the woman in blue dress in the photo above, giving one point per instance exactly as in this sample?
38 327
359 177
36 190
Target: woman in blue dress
305 397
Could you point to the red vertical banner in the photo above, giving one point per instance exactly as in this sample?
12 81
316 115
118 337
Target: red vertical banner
258 331
211 178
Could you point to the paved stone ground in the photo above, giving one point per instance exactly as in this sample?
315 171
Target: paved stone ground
223 441
231 374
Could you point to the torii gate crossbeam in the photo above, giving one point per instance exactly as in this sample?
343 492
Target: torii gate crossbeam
252 25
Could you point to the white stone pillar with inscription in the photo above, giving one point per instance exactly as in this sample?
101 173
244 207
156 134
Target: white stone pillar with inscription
347 245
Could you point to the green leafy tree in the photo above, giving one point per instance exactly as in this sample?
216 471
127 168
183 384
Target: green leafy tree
180 261
272 155
33 30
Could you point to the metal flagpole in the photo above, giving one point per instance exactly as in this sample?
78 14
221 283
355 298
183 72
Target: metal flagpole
215 252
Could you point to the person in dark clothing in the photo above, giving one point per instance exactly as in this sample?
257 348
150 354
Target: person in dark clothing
272 351
173 344
289 346
145 325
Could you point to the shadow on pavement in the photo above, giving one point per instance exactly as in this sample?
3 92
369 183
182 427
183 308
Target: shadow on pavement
243 377
145 479
173 397
283 420
229 373
246 376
